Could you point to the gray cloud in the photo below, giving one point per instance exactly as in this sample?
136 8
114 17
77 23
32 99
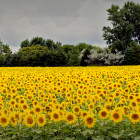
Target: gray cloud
67 21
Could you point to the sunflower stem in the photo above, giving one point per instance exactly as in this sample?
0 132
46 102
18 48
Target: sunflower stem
47 128
71 130
61 129
5 132
19 131
118 131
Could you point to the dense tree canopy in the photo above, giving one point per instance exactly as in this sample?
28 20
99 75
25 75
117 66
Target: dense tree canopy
33 56
125 31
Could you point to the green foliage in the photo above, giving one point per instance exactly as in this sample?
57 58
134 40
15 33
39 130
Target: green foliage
126 26
50 44
5 54
38 41
74 57
82 46
33 56
106 130
132 55
85 55
25 43
58 58
67 48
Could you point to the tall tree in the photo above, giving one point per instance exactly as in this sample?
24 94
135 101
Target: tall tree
25 43
38 41
125 31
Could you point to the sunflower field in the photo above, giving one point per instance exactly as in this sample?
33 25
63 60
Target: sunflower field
70 103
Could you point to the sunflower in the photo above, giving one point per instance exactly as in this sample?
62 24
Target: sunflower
55 116
117 94
76 109
126 90
134 117
103 114
5 112
133 103
108 107
12 102
13 91
93 100
84 114
41 120
25 107
116 116
29 120
4 91
91 106
17 116
16 106
13 120
4 121
89 121
22 101
37 109
138 99
70 118
131 97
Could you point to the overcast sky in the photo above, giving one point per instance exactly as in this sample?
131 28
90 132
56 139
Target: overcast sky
67 21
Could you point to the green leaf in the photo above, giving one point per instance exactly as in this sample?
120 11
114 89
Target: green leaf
36 137
67 138
80 137
115 136
98 138
87 132
67 130
14 136
137 138
38 131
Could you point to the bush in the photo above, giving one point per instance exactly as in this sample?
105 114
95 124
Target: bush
105 58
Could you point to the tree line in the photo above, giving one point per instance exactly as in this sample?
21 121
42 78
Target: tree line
122 38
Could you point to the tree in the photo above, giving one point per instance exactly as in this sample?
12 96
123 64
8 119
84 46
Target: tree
58 58
132 55
5 54
33 56
50 44
25 43
38 41
82 46
125 31
4 49
74 57
85 55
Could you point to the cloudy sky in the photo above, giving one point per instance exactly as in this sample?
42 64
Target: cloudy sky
67 21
